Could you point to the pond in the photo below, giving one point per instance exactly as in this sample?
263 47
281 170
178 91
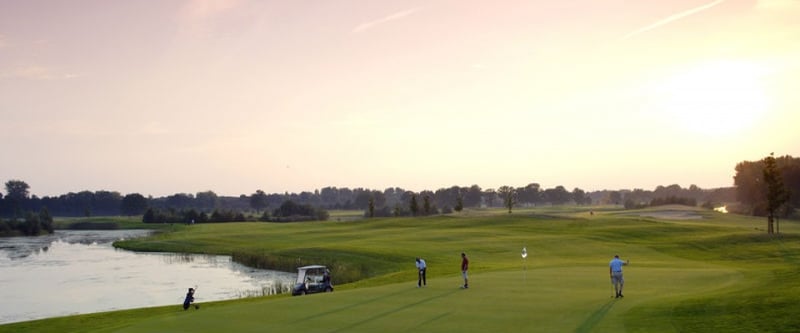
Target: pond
76 272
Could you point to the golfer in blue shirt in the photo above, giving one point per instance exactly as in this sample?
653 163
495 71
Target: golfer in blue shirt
615 272
422 267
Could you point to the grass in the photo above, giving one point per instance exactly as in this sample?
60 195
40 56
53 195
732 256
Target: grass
715 274
109 223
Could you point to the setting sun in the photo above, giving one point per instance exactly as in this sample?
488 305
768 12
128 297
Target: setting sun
716 99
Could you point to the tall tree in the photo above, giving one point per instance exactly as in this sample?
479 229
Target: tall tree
16 195
776 193
17 190
508 194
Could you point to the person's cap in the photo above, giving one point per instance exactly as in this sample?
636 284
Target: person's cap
616 256
191 289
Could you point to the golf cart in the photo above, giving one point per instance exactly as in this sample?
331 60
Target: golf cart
312 279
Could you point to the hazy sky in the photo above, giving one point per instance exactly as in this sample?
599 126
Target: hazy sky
179 96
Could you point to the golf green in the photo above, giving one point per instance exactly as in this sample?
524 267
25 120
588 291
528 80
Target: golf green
713 273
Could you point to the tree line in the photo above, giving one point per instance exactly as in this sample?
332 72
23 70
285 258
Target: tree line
750 190
392 201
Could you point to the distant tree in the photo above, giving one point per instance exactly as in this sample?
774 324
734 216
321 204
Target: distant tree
530 194
459 203
378 198
446 196
149 216
133 204
32 225
371 212
180 200
106 203
579 196
473 196
258 200
16 195
748 181
206 201
362 197
329 197
46 220
615 197
414 206
291 211
776 193
489 196
426 205
557 196
508 194
17 190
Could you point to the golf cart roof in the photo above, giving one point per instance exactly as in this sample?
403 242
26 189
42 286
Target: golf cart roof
314 269
305 268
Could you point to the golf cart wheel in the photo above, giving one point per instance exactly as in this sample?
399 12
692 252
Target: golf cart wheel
302 292
329 289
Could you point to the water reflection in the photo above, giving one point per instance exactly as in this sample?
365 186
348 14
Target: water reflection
21 247
74 272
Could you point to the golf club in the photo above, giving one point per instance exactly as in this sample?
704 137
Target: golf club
196 307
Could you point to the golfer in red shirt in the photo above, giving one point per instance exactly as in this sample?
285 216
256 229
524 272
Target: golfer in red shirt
464 268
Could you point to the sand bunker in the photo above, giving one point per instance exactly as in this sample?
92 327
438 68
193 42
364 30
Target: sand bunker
673 215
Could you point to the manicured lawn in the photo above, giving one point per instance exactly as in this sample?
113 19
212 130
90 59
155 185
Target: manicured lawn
714 274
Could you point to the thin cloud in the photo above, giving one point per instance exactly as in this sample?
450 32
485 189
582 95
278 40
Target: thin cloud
36 73
393 17
671 19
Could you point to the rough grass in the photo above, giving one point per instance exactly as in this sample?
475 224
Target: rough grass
715 274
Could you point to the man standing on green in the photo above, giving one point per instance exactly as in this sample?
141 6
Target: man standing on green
464 268
615 272
421 267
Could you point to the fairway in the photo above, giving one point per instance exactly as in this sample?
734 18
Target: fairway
549 300
713 273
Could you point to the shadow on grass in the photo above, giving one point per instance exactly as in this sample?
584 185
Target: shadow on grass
595 318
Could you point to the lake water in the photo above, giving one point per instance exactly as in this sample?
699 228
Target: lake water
75 272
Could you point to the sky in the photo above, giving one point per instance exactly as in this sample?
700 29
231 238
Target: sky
180 96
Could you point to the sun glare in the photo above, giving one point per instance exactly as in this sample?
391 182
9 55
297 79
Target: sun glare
716 99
